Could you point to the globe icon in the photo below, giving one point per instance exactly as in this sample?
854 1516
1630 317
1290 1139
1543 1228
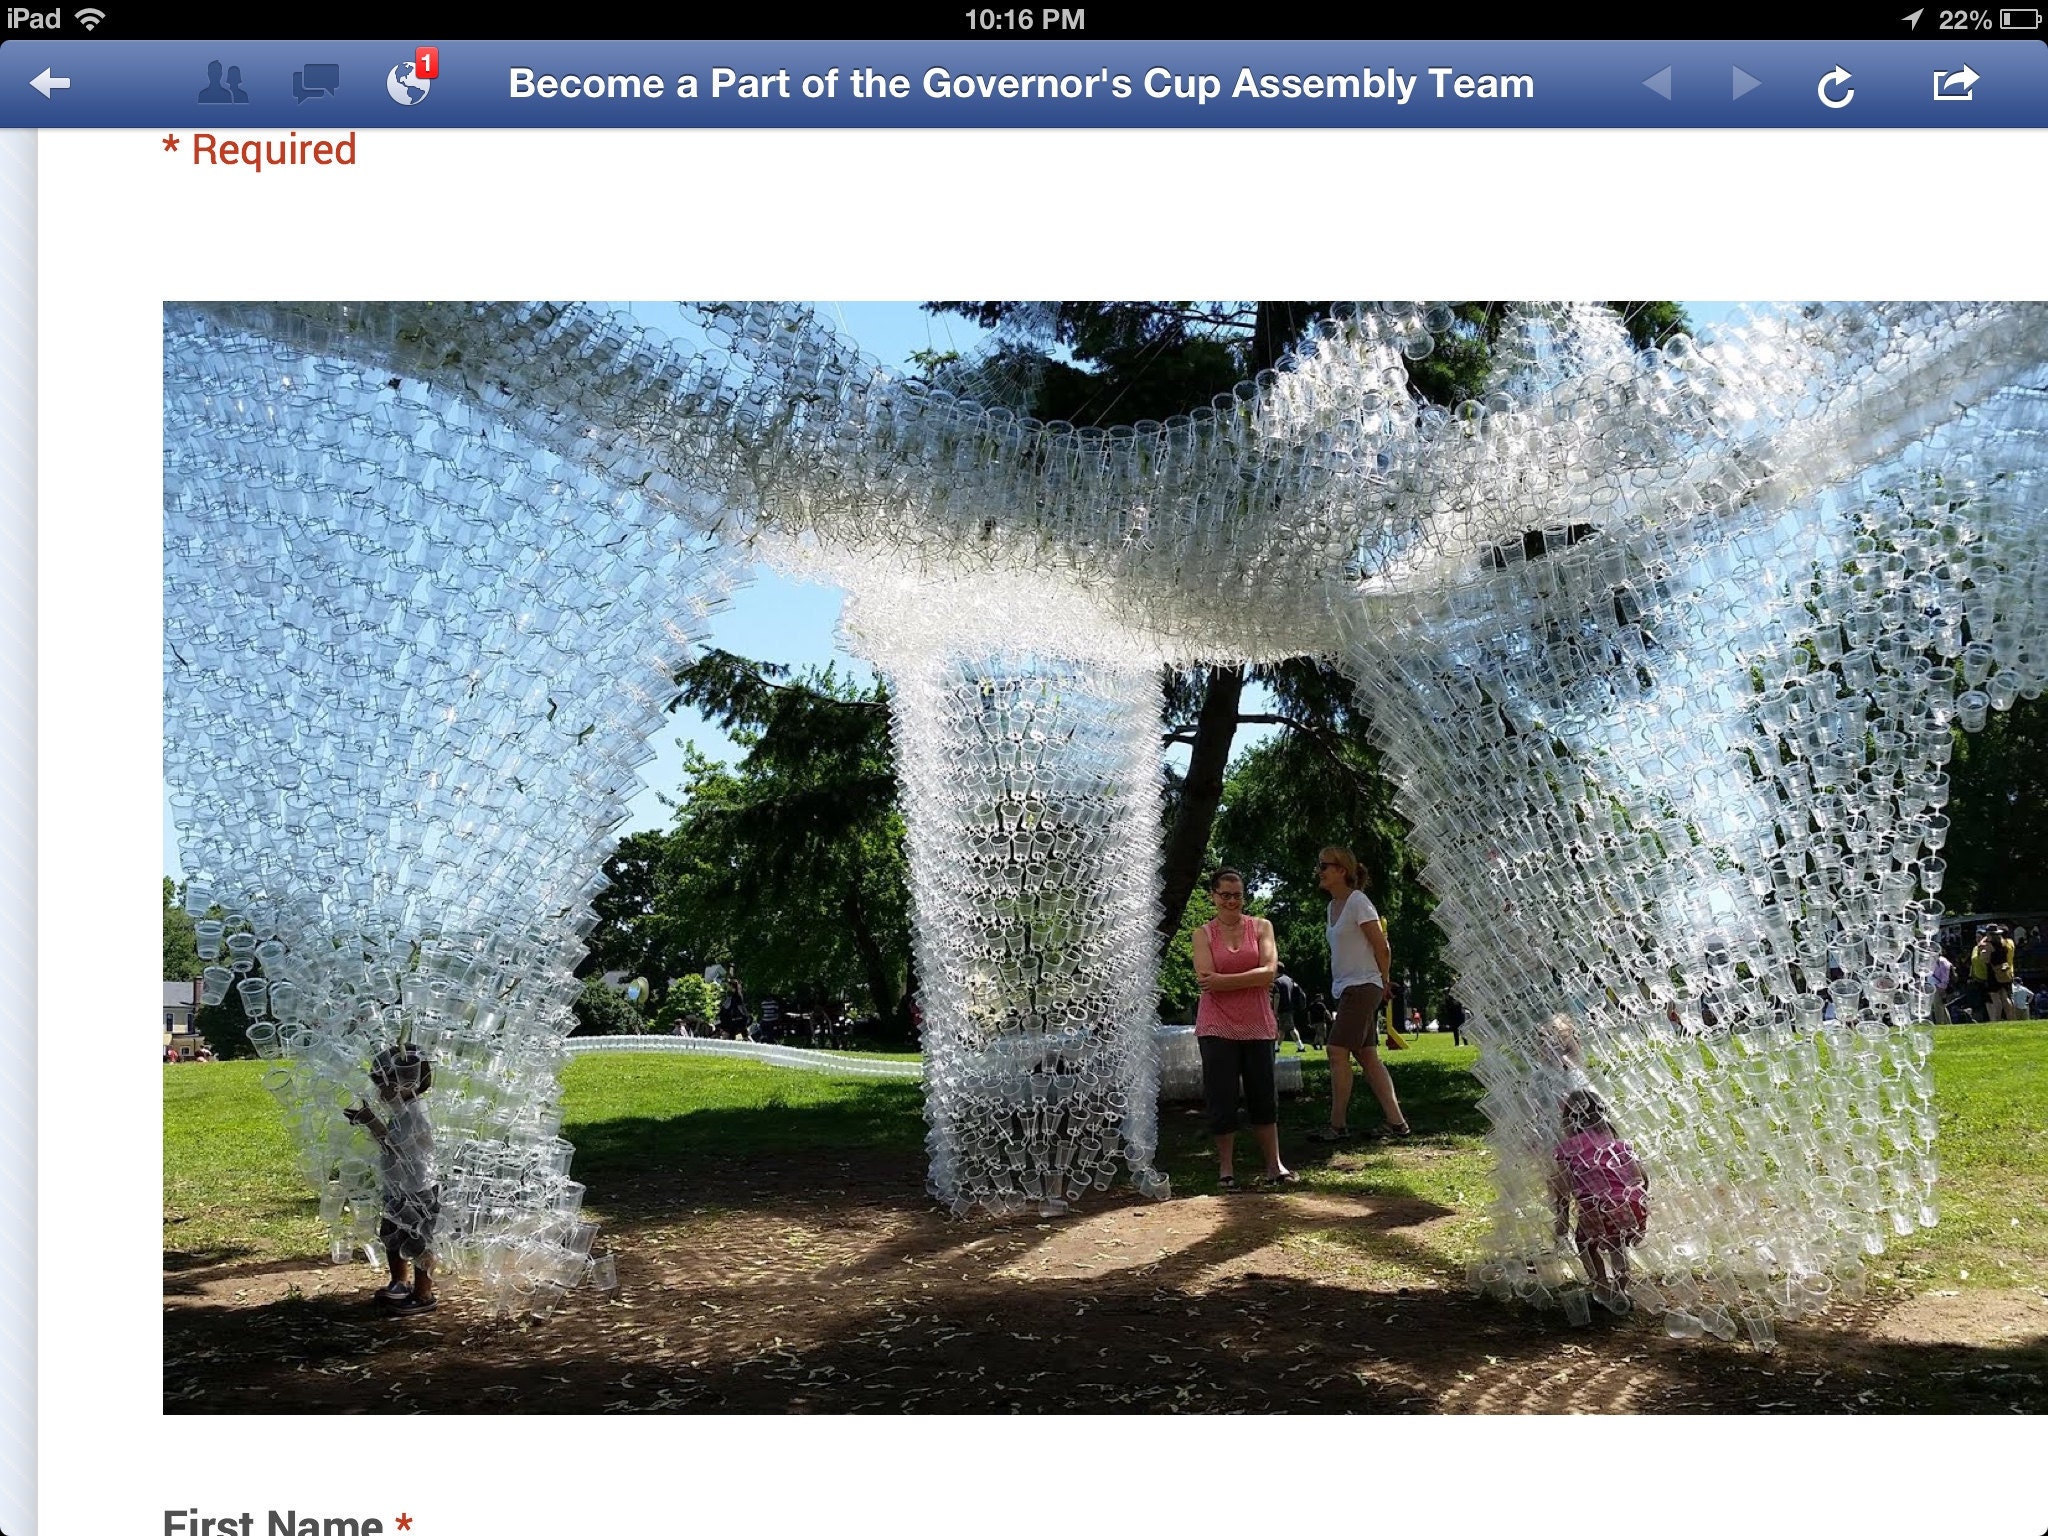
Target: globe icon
406 87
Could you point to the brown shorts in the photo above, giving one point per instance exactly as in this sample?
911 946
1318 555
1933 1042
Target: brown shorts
1358 1017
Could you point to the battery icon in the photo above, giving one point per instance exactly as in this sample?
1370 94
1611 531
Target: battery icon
2020 21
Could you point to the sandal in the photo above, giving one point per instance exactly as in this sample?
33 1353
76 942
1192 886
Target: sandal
1278 1180
1332 1133
1227 1184
1390 1132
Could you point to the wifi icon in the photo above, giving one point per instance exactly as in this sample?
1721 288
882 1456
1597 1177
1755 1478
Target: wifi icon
90 17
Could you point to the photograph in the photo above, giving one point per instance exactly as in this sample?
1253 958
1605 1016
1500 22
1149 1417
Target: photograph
1104 856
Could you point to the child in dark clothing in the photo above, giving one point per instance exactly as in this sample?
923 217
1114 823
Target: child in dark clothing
405 1174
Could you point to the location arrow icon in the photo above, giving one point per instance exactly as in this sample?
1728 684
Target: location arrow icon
47 82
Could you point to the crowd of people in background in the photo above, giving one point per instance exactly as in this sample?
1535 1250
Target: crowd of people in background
1989 973
825 1025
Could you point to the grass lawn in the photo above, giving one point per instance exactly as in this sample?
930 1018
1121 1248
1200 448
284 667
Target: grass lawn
231 1190
1991 1096
632 1111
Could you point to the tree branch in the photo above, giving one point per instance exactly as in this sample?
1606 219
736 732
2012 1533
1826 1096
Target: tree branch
1321 738
825 698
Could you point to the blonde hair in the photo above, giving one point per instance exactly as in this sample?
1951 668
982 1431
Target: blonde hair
1354 876
1561 1038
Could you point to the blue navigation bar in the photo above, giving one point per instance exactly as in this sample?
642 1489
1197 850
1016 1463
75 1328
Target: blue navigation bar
229 87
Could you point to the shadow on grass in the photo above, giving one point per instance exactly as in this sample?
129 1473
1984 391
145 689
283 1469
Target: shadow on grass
840 1288
1134 1343
844 1289
869 1116
1438 1097
868 1146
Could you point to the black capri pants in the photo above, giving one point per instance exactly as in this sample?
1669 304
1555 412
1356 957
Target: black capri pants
1225 1063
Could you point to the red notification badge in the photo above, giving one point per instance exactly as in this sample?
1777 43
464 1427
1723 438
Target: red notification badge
426 63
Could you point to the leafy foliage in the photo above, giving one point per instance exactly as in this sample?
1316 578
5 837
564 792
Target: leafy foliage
224 1025
1293 795
601 1011
795 860
634 934
1998 813
1178 993
1122 363
788 867
691 1000
181 946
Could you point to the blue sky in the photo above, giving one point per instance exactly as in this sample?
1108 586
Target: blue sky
774 618
795 624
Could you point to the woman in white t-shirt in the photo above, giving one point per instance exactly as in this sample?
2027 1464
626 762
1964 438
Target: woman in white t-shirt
1360 964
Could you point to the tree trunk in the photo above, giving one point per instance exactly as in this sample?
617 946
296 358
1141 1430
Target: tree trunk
880 993
1274 329
1201 792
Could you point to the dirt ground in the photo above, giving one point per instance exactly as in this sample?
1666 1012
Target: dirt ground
796 1285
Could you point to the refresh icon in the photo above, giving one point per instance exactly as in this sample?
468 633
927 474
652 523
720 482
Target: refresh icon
1832 81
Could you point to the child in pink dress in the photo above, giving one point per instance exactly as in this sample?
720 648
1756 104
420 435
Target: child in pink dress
1598 1173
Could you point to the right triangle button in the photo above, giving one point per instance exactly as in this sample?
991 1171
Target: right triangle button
1745 82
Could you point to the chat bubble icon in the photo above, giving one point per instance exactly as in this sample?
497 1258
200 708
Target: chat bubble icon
316 80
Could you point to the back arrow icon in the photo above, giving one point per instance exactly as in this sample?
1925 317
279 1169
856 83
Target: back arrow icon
1835 76
47 82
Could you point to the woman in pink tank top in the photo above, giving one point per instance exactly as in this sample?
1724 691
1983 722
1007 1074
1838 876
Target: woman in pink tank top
1235 963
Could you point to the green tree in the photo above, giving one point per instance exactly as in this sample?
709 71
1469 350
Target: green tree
634 932
225 1026
1178 993
181 946
692 1001
787 866
601 1011
1294 794
1997 848
798 855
